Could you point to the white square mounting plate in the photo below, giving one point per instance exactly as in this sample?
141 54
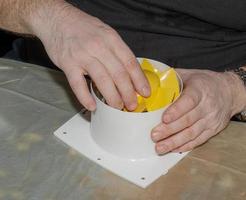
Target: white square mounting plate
76 134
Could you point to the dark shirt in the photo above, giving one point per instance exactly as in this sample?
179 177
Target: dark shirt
182 33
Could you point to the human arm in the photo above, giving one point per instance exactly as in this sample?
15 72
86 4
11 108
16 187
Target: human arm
79 44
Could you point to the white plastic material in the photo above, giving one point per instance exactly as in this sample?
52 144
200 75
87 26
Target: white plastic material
120 141
126 134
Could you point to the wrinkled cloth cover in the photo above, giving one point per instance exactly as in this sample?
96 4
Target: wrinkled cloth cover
35 101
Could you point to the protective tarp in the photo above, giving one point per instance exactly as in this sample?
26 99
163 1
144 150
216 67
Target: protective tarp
35 101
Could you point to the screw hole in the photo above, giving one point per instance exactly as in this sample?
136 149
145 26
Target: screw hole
143 178
64 132
180 152
99 159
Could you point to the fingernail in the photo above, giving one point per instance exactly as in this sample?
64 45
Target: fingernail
146 91
132 106
155 136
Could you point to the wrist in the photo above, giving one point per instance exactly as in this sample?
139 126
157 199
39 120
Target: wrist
43 18
237 92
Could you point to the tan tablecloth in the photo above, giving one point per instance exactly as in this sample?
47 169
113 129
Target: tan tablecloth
35 101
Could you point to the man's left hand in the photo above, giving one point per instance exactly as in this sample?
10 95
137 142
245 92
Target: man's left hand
204 108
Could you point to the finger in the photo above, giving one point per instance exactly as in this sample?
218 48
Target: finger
138 78
104 83
164 130
201 139
79 86
181 138
187 101
119 75
130 63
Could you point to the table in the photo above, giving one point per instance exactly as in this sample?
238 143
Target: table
35 101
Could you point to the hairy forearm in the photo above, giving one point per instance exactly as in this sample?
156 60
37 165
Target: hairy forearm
25 16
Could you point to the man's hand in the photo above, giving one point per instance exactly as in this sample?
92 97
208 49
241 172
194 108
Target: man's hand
80 44
205 107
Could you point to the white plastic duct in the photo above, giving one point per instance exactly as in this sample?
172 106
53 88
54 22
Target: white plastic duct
120 141
126 134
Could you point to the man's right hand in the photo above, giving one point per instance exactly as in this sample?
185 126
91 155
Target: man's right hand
81 44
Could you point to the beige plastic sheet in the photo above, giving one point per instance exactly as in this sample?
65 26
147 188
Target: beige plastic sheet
35 101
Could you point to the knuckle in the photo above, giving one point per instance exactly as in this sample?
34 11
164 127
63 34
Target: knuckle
97 20
111 32
191 134
171 144
190 100
188 120
120 76
131 64
169 130
158 128
114 100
